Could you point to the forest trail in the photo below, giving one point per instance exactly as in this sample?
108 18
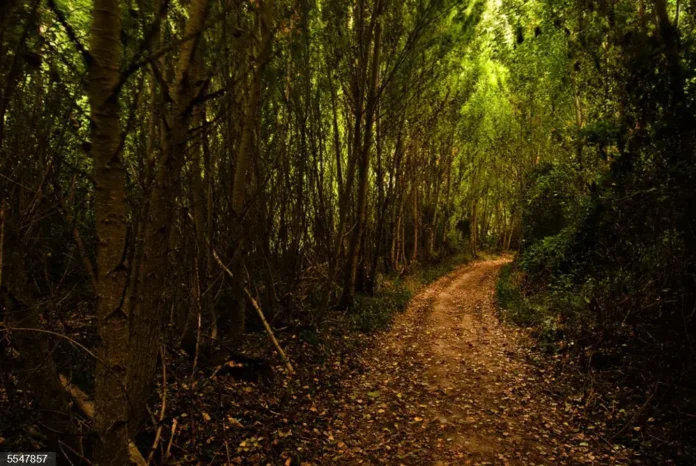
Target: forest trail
451 385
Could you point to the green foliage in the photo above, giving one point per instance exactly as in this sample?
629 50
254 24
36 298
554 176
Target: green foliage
370 314
609 205
509 295
545 256
373 313
533 312
551 312
552 201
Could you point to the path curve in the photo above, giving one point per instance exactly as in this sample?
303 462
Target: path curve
449 385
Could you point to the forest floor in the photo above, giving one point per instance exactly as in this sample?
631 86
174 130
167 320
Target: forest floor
450 385
446 384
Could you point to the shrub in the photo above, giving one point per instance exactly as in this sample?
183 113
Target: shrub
372 313
375 313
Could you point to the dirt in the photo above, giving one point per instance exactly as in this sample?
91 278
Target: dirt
450 384
446 384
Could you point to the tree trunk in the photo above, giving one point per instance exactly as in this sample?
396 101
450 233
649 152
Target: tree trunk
474 229
446 214
414 251
111 401
354 250
381 212
233 324
148 311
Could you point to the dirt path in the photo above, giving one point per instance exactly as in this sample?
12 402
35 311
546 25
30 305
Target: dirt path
449 384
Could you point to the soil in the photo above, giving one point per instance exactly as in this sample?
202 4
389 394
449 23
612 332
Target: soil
446 384
450 384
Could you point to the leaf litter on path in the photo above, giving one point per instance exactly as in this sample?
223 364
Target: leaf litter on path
450 384
446 384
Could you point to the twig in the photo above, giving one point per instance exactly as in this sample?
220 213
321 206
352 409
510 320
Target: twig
55 334
227 452
63 444
270 331
198 346
171 439
217 369
261 316
65 455
158 435
635 415
606 441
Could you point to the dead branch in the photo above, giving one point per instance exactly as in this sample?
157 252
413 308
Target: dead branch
158 435
256 306
171 439
87 407
270 332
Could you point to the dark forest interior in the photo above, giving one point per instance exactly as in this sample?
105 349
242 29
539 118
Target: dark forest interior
305 232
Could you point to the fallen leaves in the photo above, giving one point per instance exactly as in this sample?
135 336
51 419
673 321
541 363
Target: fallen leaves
447 384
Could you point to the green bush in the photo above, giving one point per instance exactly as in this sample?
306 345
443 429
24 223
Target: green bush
542 258
553 201
373 313
538 311
512 304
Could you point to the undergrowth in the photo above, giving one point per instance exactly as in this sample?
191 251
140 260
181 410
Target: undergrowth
374 313
536 311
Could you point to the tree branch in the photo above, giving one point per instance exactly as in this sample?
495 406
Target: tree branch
86 56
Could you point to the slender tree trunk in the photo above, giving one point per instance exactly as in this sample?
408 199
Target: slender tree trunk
111 401
433 223
148 311
336 132
354 251
511 230
414 251
188 321
474 229
446 213
236 320
198 195
381 211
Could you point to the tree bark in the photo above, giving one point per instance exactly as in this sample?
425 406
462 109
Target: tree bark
414 205
233 324
354 249
111 401
147 312
474 229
